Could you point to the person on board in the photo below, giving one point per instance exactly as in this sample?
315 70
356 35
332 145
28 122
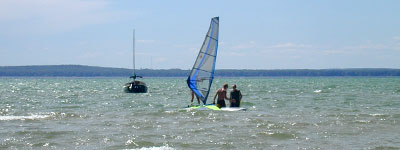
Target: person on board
237 95
221 92
191 101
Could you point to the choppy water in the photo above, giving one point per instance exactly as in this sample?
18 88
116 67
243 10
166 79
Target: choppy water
283 113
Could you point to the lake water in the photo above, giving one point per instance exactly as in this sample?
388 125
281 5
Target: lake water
282 113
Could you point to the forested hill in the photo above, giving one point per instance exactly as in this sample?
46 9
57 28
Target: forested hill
91 71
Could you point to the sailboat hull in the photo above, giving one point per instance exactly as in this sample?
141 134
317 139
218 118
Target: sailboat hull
135 87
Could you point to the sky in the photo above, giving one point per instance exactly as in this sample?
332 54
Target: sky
256 34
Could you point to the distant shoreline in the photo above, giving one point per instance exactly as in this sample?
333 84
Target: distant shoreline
93 71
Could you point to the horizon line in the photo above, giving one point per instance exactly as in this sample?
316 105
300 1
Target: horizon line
190 69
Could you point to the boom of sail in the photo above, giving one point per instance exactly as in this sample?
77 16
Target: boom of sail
202 74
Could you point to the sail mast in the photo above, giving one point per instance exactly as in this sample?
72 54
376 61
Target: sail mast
133 52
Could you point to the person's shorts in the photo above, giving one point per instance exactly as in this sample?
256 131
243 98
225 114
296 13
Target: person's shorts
221 103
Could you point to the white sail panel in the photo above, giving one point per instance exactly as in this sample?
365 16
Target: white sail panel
202 74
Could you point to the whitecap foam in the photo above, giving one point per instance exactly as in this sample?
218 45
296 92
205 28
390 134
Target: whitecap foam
32 117
317 91
377 115
154 148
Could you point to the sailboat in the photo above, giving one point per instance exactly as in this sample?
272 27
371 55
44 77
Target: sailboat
201 77
135 86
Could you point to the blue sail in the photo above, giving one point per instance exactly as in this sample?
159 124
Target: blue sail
202 74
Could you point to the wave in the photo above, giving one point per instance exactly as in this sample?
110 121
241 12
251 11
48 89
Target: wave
31 117
154 148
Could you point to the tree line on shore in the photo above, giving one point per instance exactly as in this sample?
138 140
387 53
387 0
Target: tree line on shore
92 71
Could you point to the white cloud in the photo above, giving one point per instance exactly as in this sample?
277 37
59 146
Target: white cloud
146 41
334 52
142 54
290 45
160 60
396 44
237 54
287 48
90 55
366 46
53 16
187 48
247 45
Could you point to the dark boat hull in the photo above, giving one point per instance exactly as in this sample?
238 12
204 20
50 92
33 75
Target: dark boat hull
138 87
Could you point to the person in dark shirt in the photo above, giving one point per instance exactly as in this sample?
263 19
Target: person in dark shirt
237 95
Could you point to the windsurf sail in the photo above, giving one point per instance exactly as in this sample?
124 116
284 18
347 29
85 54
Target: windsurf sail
202 74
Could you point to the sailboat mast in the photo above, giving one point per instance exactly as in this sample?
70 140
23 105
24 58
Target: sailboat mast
133 52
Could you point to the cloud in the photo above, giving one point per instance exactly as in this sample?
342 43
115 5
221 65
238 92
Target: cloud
91 55
290 45
146 41
187 48
248 45
142 54
54 16
334 52
160 60
396 44
366 46
287 48
236 54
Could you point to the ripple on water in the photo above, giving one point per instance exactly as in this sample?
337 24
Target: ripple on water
42 116
277 135
94 113
29 117
386 148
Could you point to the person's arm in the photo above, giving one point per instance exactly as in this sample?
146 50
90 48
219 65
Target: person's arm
230 99
226 97
240 95
215 97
